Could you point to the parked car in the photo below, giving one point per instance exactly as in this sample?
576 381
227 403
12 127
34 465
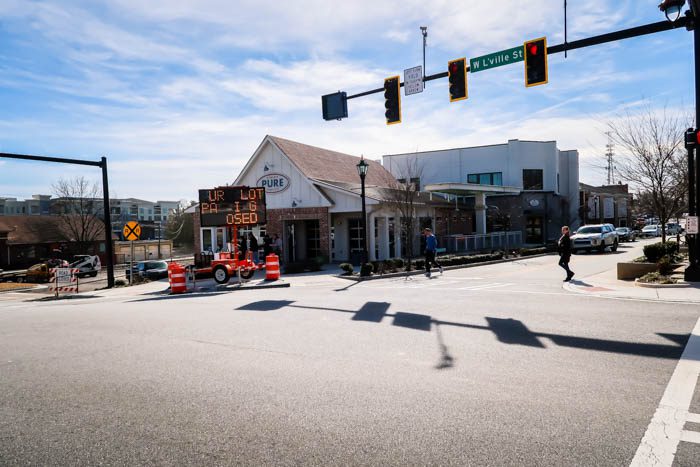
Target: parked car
625 234
151 270
673 228
653 230
595 237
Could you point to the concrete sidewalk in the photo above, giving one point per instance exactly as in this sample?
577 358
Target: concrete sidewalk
607 285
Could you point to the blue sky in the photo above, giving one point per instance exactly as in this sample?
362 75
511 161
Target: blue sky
178 95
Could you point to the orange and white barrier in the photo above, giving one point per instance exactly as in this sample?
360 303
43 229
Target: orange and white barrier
272 267
177 278
63 280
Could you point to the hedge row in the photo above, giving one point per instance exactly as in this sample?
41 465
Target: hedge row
656 251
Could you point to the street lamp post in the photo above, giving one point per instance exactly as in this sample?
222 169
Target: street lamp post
673 9
362 167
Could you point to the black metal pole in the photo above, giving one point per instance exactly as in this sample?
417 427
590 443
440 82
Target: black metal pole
696 41
692 272
108 225
364 223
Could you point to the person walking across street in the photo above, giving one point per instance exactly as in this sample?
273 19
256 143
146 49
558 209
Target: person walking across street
564 248
430 250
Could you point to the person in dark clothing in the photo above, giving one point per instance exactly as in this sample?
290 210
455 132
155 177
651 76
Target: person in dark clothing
430 250
267 245
242 246
564 248
253 245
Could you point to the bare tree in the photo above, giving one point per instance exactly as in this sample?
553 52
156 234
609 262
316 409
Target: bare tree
402 197
179 227
78 206
654 161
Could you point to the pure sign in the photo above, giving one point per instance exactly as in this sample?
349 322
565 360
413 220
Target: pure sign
504 57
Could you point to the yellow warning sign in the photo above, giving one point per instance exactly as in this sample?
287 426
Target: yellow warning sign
132 231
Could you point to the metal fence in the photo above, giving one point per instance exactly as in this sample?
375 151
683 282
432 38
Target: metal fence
480 242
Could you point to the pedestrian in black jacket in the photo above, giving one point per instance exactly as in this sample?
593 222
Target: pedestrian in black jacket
564 247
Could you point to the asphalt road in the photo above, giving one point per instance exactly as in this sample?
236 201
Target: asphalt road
493 365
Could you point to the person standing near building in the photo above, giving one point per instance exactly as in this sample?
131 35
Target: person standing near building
277 246
430 250
564 248
267 245
254 247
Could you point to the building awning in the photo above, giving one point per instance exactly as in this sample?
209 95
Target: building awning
470 189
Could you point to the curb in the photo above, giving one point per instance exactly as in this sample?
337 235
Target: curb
678 285
20 289
446 268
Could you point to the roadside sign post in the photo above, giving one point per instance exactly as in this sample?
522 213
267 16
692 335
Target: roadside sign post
131 231
691 225
64 280
413 80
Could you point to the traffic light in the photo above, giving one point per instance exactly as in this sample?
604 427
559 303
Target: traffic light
457 71
536 62
392 99
692 138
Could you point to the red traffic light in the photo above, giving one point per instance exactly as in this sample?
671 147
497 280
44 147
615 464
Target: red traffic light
536 62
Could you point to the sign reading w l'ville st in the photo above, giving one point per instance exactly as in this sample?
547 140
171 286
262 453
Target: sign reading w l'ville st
504 57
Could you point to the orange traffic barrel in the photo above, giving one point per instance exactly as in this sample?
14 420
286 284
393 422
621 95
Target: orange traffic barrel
272 267
178 281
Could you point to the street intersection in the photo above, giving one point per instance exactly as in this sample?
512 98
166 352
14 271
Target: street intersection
489 365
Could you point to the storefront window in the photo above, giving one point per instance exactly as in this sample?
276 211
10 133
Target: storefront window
206 240
533 229
532 179
313 238
355 227
490 178
392 238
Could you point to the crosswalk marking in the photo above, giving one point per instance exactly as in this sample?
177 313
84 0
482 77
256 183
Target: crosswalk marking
690 436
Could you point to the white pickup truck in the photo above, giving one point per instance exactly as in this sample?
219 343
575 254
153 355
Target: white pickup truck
89 265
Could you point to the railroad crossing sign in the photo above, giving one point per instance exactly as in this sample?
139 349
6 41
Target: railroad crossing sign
132 231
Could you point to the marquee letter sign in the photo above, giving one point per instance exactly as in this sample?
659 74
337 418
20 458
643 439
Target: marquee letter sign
232 206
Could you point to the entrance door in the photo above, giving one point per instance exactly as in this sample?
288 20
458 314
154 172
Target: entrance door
355 240
533 229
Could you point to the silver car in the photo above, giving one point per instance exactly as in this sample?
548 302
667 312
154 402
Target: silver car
595 237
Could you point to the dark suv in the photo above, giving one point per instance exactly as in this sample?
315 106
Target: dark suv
151 270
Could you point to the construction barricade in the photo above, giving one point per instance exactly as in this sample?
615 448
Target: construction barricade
176 276
272 267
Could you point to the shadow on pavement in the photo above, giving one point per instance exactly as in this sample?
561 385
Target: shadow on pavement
507 331
265 305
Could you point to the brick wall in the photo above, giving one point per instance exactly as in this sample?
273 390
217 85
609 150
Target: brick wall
276 218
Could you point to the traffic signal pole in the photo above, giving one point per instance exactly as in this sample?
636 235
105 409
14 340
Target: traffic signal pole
105 199
692 272
646 29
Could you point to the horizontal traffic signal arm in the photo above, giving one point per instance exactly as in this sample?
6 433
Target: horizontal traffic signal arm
650 28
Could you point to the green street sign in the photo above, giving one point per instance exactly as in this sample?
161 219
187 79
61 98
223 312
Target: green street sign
504 57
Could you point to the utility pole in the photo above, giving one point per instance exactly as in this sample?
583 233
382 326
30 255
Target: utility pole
424 31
